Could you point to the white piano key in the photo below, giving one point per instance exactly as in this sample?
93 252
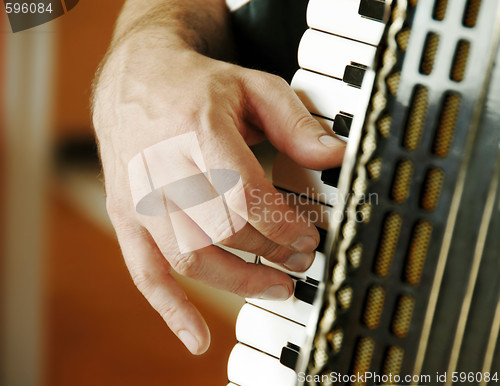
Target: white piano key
292 308
249 257
330 54
267 332
341 17
325 122
327 96
315 271
288 175
249 367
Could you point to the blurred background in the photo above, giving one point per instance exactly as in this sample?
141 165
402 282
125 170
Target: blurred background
70 314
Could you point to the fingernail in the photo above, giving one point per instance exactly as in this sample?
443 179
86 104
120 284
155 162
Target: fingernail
304 244
276 292
189 341
299 262
330 141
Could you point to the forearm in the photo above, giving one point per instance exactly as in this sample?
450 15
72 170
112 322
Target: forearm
152 36
202 25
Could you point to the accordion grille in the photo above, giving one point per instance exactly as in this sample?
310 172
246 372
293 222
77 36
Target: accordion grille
447 123
417 252
388 243
363 358
416 118
393 255
471 13
392 363
440 9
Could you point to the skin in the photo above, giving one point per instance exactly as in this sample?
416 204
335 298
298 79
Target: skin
164 75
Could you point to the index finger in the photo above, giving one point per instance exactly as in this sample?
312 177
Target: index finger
266 209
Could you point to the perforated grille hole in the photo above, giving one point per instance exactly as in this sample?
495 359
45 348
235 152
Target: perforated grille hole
388 243
447 122
439 9
471 13
402 316
354 255
429 54
384 125
393 361
418 252
363 358
373 307
348 230
416 118
344 297
326 378
460 61
334 339
319 356
432 189
393 82
374 168
402 39
338 273
395 10
402 181
364 211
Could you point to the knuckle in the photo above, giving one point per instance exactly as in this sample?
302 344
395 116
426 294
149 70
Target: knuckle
275 80
122 222
187 264
275 252
302 121
254 188
221 82
276 230
242 287
221 228
263 79
117 207
143 280
167 311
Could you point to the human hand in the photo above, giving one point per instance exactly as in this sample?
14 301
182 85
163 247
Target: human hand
149 91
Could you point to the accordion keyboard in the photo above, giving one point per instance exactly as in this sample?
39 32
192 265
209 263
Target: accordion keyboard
336 56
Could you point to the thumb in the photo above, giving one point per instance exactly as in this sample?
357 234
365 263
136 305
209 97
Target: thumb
275 108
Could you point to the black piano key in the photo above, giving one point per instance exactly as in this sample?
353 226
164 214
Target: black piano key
322 240
305 291
372 9
312 281
354 75
289 356
342 124
331 176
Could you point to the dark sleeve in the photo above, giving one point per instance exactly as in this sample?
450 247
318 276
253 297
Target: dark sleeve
267 35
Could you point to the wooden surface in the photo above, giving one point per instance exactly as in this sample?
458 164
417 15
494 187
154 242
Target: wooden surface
84 34
100 330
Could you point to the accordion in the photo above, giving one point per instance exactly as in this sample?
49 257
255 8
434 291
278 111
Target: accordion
405 289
